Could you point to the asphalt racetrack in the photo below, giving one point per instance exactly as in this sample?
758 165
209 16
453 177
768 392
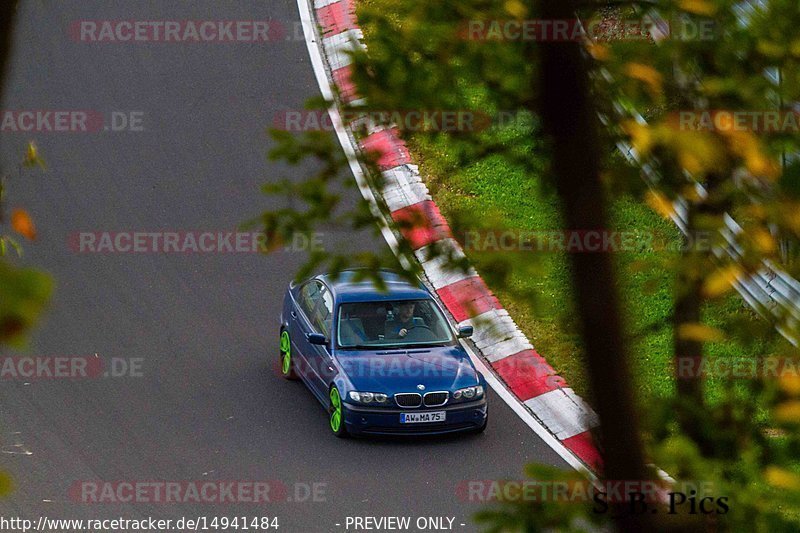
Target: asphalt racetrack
200 398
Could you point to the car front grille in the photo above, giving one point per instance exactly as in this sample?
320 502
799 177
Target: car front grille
408 399
435 399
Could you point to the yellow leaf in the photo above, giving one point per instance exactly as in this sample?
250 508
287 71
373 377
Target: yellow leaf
640 134
763 240
22 223
698 7
698 152
645 73
659 203
755 211
32 157
715 85
721 281
788 412
516 8
747 146
6 484
692 162
598 51
770 49
778 477
699 332
790 384
790 214
759 164
690 193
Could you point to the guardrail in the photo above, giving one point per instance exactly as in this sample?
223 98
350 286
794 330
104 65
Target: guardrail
770 291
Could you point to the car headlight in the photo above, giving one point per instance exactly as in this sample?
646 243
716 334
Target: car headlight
469 393
376 398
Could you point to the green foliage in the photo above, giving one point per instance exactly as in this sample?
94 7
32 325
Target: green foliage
535 510
25 293
320 207
419 59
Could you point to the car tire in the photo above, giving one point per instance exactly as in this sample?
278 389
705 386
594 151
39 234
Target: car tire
336 412
285 362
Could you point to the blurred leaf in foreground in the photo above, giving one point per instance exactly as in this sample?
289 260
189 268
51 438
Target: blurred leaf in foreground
25 292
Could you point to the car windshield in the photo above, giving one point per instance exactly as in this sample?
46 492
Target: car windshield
403 323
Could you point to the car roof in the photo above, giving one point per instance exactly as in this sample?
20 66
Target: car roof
346 288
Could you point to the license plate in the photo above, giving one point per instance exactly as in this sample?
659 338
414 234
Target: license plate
416 418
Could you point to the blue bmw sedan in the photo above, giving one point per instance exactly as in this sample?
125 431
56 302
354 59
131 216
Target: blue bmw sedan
381 362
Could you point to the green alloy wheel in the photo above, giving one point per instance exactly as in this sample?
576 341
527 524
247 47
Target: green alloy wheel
287 366
337 413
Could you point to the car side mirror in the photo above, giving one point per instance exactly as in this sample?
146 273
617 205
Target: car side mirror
465 331
317 338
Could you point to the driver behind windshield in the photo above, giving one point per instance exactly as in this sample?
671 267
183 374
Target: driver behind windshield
403 321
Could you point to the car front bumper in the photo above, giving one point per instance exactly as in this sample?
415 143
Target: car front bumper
386 421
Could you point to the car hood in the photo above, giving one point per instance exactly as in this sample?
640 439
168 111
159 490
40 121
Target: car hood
399 370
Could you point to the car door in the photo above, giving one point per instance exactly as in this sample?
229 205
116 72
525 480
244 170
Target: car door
299 325
325 367
309 320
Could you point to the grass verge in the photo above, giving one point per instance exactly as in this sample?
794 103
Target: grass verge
535 286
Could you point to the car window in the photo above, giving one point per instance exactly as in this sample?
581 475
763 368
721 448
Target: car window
325 311
317 304
309 295
392 323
